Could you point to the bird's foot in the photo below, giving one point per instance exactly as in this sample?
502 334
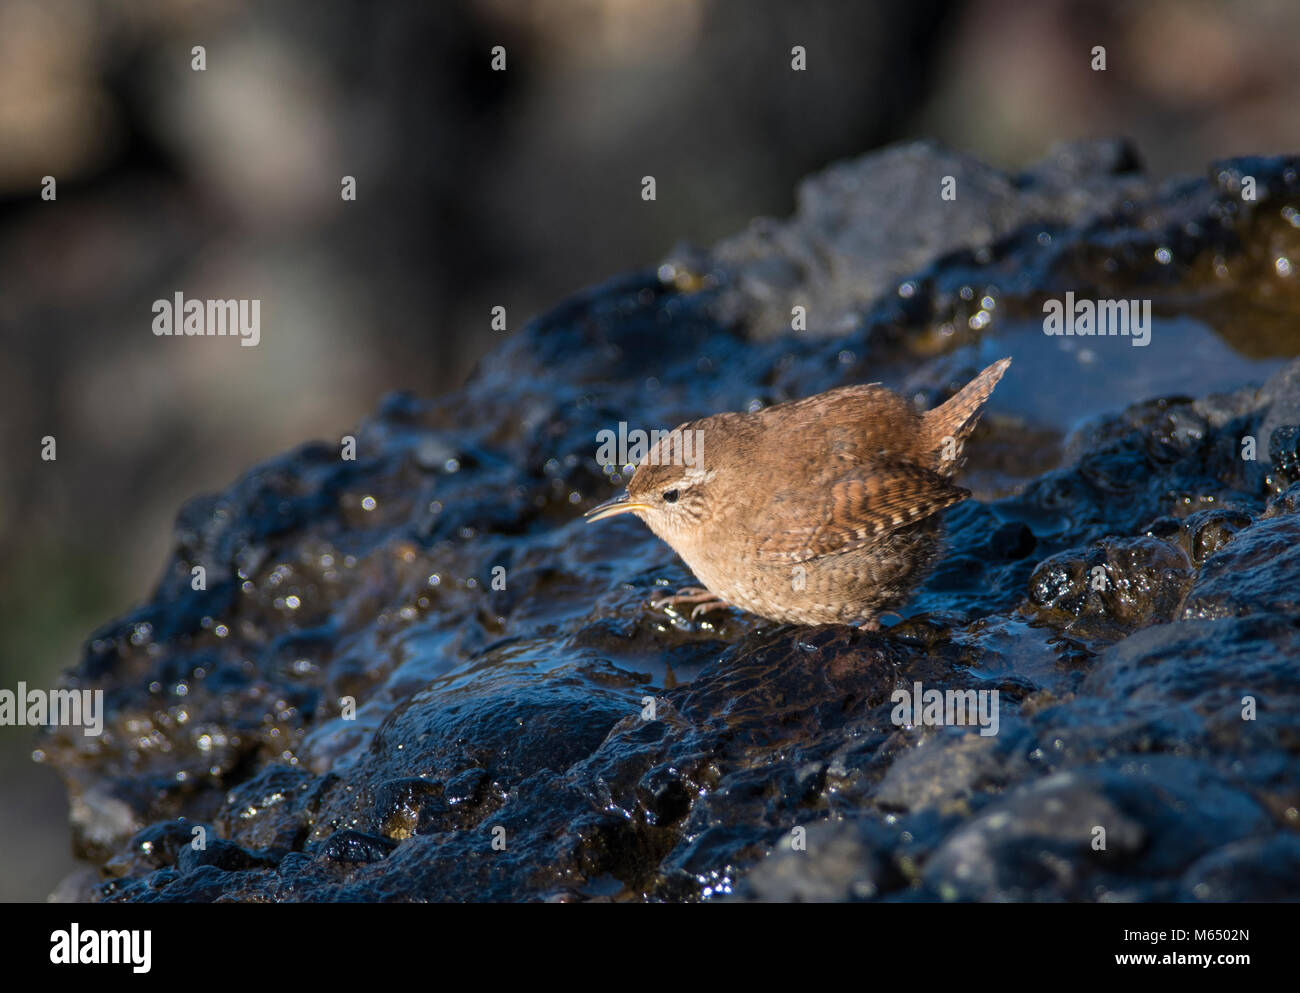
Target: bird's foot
703 601
874 623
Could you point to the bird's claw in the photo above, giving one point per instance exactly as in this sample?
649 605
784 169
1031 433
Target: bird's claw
874 623
702 600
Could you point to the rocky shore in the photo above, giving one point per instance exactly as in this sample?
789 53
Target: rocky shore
1126 577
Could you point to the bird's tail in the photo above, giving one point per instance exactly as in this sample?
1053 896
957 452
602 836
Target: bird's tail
949 425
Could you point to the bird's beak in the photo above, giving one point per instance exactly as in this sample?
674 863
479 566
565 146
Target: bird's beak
620 504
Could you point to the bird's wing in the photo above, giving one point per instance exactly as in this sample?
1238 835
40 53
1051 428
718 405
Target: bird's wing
853 509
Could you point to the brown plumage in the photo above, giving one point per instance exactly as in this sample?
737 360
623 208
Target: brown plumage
823 510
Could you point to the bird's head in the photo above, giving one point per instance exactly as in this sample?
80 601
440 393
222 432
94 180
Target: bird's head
669 490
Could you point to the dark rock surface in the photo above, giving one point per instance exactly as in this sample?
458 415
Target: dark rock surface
525 727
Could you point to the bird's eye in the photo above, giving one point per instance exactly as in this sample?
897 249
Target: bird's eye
670 496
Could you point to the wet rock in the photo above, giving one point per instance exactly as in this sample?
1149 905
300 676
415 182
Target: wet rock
1258 571
1255 869
1092 835
1229 683
420 675
404 805
156 846
1284 455
1283 393
1013 540
1287 502
1209 530
843 866
273 809
350 847
1126 582
950 775
221 854
862 227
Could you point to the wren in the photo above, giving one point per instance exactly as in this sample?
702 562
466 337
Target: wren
817 511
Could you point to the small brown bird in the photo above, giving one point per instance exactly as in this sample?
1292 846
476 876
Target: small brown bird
816 511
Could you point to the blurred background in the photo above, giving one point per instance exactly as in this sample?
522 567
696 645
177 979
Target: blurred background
474 189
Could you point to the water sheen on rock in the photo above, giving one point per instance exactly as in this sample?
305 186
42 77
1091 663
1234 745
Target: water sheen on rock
525 727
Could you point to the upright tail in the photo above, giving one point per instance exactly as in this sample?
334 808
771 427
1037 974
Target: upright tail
949 425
